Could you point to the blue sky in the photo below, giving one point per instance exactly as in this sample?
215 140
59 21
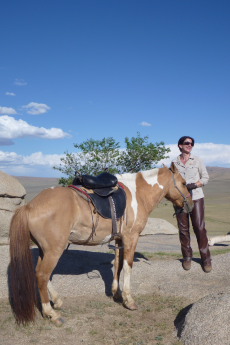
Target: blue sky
72 70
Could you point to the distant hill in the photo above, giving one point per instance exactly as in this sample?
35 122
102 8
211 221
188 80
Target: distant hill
34 185
218 173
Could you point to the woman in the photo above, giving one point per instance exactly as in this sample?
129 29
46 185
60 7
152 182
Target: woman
194 172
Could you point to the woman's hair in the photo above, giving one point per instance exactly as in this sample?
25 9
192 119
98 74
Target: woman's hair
182 139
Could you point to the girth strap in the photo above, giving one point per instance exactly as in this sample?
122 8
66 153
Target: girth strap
115 234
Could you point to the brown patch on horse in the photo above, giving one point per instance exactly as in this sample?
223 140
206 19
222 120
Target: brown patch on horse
147 195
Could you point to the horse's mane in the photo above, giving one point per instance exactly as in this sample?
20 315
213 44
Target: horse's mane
126 177
130 178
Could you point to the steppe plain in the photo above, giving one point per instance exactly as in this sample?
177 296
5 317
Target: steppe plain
160 286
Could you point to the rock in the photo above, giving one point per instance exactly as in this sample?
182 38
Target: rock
159 226
12 196
207 321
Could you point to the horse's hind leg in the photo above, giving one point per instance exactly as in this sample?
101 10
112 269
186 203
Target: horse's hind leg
118 265
44 270
54 296
57 302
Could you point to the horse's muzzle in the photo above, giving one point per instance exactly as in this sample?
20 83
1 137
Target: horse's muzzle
188 206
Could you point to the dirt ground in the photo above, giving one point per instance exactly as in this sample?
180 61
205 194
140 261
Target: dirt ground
161 288
98 320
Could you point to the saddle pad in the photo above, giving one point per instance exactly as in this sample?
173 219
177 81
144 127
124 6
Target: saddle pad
102 204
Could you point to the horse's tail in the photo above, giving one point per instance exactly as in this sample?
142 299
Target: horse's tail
22 275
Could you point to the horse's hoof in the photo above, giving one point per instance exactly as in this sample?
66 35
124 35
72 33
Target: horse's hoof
58 322
118 298
130 306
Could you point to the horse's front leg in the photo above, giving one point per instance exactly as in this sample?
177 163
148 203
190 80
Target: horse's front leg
118 265
130 244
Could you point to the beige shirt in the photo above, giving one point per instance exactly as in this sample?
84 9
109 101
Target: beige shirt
194 170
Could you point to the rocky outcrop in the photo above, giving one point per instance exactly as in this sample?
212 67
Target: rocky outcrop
12 196
207 321
159 226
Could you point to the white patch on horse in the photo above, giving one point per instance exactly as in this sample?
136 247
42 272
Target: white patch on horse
127 273
49 311
151 177
129 181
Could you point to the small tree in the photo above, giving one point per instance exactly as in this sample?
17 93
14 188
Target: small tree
94 156
141 155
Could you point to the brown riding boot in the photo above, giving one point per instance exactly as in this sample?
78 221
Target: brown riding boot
184 236
186 264
197 218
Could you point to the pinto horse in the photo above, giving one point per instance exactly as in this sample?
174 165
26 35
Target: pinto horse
59 216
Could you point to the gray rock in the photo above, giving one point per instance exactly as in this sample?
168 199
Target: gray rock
207 321
12 196
159 226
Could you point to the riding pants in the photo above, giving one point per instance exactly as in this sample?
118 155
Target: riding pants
198 223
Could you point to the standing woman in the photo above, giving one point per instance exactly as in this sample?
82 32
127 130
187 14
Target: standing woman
196 176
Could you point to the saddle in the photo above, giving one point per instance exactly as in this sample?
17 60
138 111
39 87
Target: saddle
106 194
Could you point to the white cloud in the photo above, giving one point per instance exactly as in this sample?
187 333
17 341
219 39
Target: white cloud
7 111
10 128
20 82
36 108
37 158
10 94
212 154
145 124
36 164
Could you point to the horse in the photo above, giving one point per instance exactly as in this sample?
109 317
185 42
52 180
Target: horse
59 216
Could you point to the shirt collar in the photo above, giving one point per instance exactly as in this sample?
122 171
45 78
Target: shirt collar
179 161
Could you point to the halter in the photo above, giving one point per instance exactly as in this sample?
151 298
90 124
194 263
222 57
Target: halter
187 208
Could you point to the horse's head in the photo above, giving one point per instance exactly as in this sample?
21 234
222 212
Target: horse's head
178 192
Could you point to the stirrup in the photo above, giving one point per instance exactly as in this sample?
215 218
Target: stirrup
116 236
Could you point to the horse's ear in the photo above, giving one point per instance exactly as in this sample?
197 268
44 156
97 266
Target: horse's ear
173 167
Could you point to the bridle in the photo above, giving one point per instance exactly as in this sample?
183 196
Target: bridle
186 207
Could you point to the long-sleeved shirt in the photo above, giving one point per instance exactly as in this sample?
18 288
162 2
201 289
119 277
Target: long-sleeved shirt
193 171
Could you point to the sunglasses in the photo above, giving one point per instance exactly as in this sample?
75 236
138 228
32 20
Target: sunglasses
188 143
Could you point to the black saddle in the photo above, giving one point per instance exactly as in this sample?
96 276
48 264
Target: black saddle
102 184
99 189
105 193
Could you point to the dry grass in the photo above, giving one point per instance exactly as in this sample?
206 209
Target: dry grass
100 321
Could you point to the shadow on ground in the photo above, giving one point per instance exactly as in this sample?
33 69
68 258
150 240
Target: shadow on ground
94 264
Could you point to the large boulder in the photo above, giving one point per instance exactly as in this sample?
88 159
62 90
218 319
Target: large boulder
12 196
207 321
159 226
